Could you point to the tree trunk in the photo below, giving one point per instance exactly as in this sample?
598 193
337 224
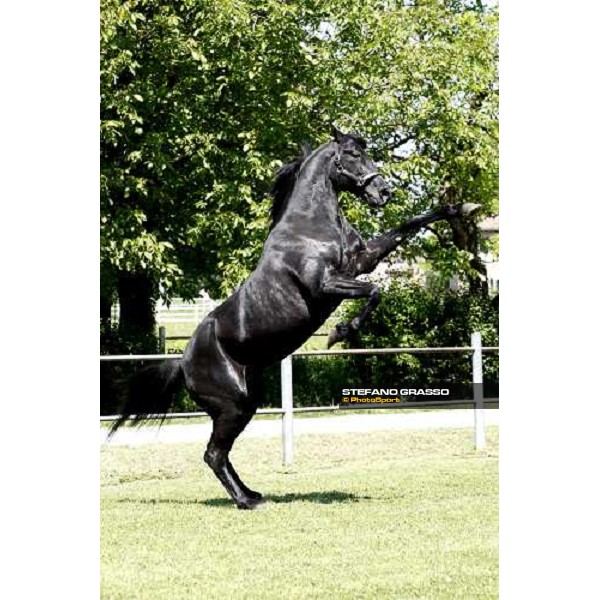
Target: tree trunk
466 236
105 308
136 300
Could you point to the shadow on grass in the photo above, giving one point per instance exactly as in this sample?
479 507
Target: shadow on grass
316 497
158 501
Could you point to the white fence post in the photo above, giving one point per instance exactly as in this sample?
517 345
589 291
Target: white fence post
287 404
478 390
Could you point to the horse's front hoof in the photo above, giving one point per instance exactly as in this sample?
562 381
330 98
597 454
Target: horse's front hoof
338 334
250 503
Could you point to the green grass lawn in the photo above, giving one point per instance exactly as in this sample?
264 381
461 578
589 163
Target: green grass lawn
378 515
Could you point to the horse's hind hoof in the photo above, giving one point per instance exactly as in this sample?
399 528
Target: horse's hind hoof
251 503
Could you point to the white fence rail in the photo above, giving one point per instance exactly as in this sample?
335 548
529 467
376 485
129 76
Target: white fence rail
287 410
177 311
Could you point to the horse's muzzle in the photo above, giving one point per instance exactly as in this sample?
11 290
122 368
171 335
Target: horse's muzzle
377 192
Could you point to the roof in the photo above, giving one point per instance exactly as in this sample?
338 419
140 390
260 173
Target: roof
490 224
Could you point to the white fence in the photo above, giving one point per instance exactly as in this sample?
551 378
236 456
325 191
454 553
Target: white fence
193 312
287 410
178 311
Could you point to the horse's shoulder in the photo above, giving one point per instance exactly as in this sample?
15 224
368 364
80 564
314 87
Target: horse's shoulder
353 240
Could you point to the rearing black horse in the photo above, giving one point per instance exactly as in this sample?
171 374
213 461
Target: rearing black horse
309 265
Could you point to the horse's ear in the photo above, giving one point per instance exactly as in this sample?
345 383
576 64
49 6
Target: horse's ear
336 134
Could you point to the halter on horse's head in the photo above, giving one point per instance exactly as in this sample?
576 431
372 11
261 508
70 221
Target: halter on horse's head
356 172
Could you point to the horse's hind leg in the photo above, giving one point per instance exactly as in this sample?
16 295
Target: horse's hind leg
228 423
228 392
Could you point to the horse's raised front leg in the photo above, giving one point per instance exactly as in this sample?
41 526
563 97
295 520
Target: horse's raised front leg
380 247
346 287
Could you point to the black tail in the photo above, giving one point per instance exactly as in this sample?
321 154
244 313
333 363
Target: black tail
150 393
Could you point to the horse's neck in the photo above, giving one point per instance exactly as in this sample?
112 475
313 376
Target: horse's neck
314 199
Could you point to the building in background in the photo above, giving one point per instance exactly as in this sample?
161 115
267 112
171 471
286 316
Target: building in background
490 227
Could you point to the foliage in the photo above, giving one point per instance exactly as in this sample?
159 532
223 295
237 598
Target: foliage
120 341
410 315
112 374
202 100
317 381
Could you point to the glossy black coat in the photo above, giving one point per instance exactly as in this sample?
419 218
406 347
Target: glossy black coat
309 265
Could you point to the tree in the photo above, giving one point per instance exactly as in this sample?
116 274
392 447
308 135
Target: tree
420 82
415 316
202 100
195 113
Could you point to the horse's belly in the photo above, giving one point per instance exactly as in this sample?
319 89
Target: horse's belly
269 344
263 323
262 335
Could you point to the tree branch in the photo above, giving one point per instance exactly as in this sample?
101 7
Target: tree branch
443 241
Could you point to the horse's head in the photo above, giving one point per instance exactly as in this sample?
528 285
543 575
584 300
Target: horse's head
355 172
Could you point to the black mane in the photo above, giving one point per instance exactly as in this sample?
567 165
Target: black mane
284 182
358 139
